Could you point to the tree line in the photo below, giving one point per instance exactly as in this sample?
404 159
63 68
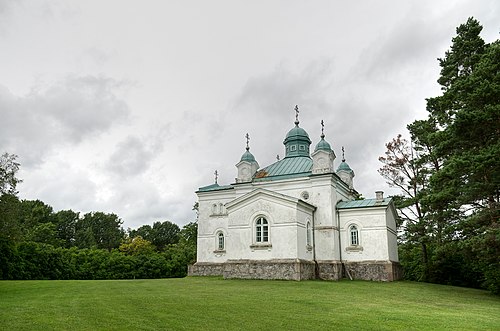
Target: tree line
448 172
38 243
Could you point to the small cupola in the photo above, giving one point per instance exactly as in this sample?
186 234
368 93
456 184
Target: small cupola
247 166
345 172
297 140
323 155
323 145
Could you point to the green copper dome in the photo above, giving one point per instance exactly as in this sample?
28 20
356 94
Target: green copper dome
297 142
247 156
297 133
344 166
323 145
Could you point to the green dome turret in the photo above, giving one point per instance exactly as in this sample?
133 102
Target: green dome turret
247 156
297 140
343 166
323 145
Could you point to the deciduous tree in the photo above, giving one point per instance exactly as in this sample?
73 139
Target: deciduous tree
8 169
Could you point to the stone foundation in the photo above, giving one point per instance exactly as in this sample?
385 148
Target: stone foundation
386 271
272 269
329 270
205 269
294 269
253 269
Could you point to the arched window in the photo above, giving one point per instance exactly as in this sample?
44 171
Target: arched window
220 241
261 230
354 235
308 234
214 209
221 208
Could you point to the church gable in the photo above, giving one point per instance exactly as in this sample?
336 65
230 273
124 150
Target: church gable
267 201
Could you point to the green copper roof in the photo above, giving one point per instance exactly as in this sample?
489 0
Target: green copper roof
344 166
214 187
366 203
287 168
247 156
323 145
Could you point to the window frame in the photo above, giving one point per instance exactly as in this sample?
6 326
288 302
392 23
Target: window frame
261 230
221 241
354 235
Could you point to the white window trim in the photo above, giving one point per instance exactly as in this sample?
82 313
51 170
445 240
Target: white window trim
357 246
218 249
261 244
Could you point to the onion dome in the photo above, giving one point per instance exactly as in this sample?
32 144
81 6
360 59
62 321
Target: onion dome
247 156
297 140
343 166
323 145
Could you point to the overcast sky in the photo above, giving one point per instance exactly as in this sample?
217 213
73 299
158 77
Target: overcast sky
130 106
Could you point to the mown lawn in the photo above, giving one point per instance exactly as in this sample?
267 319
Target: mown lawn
199 303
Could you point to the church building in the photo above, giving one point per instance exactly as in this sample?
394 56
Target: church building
298 218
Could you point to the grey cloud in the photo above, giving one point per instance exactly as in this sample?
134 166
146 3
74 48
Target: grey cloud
131 158
65 113
61 185
265 106
140 201
412 42
6 6
358 113
272 94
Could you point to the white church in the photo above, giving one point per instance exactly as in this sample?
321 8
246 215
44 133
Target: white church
298 218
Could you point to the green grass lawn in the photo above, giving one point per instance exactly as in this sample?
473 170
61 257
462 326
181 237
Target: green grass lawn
200 303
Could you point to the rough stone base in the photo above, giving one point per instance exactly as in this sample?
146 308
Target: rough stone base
253 269
329 270
273 269
295 269
205 269
386 271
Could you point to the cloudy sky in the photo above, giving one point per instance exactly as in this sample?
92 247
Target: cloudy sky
130 106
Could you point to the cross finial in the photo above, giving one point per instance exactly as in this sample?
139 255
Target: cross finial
296 115
322 129
343 156
216 173
248 140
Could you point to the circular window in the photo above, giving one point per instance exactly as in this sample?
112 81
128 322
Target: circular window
305 195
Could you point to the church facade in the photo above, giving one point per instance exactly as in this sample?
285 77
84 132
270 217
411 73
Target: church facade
298 218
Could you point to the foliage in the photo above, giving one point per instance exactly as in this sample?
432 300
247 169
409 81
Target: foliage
136 246
65 221
100 230
161 234
457 151
8 169
181 304
10 208
36 243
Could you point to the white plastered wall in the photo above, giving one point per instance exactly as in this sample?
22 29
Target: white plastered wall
375 232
